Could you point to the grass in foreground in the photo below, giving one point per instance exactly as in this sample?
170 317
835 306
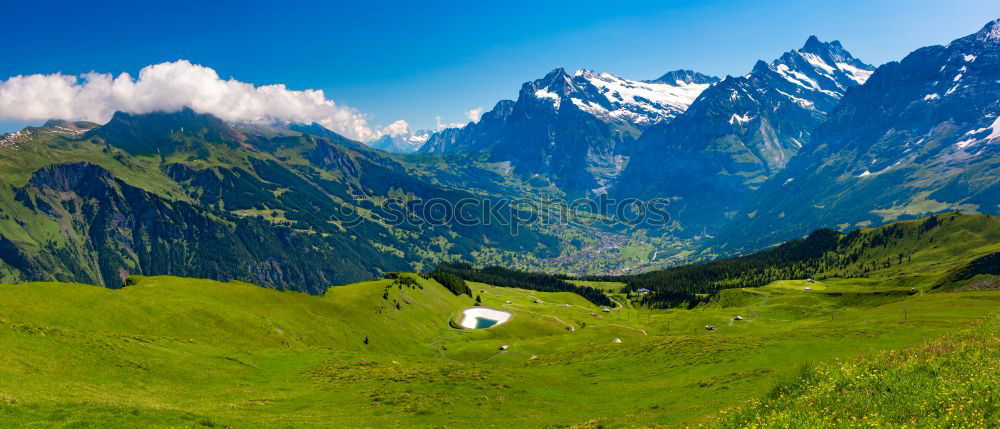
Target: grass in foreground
951 382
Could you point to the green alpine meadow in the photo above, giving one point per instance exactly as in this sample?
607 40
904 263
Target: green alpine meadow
305 215
910 341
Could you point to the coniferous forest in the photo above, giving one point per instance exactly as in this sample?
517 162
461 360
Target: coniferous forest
822 254
505 277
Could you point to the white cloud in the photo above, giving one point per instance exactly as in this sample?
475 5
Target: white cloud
442 125
474 114
171 86
395 129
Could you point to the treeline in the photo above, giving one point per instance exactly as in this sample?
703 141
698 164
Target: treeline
823 253
452 282
505 277
688 285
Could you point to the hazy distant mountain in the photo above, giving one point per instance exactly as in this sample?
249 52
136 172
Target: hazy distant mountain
402 143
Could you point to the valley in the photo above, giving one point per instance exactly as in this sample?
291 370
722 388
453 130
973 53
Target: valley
738 164
798 237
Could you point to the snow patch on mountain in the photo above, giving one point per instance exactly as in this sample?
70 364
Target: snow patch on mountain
544 93
817 62
796 77
868 173
990 33
994 133
612 98
739 119
643 102
858 75
996 130
806 104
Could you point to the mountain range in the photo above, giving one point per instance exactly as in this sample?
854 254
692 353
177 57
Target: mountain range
577 130
922 135
814 138
740 132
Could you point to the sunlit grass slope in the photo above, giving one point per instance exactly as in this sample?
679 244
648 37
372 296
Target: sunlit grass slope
174 352
953 381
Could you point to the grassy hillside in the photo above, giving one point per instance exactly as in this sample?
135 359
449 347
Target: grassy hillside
949 382
939 252
174 352
94 204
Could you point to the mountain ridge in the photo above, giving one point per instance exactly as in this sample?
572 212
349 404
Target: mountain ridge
166 173
576 129
933 147
739 132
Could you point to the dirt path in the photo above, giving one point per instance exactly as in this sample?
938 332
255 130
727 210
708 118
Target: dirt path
626 327
753 308
571 327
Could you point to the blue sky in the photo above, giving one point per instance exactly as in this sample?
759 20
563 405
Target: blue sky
419 60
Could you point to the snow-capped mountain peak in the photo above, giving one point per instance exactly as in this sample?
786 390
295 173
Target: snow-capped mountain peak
678 77
640 103
408 142
990 33
740 132
819 69
615 99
